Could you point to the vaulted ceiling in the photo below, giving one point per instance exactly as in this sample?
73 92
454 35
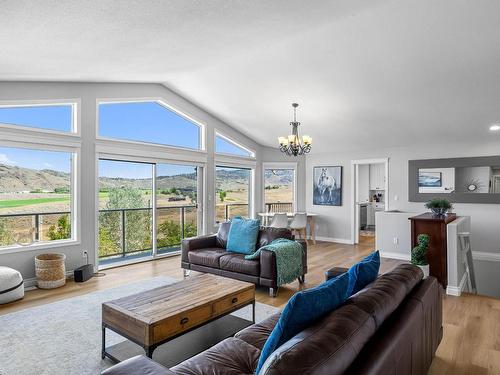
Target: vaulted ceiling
368 74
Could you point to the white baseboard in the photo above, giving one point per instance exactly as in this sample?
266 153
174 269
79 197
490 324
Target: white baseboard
457 290
30 283
338 240
486 256
392 255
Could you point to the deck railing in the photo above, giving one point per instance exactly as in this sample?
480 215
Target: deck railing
280 207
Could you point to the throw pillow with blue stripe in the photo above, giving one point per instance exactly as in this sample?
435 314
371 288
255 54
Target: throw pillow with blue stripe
242 237
302 310
363 273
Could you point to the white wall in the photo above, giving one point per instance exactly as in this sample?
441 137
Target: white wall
335 222
88 93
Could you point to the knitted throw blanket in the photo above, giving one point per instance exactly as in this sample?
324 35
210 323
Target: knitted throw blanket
288 259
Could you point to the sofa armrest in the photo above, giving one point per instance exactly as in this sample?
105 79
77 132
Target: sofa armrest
334 272
138 365
197 243
268 262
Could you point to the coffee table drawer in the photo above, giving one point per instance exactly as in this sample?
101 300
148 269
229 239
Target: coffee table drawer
230 302
181 322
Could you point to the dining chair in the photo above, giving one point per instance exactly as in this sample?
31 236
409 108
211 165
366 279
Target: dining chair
280 220
299 224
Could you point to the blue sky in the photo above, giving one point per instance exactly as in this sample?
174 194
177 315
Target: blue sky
144 121
33 159
147 122
53 117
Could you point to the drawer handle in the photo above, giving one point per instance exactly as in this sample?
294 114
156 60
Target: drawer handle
184 320
234 300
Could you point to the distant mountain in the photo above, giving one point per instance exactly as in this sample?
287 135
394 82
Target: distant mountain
17 179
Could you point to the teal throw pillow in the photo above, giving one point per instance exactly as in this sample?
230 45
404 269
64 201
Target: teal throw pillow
242 236
363 273
302 310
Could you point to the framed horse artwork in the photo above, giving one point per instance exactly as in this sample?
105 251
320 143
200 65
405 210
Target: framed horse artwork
327 186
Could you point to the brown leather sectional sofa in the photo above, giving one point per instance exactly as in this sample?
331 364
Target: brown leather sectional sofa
393 326
208 254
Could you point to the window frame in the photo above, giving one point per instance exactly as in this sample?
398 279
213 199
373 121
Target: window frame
75 121
154 160
75 195
279 165
251 189
217 133
201 125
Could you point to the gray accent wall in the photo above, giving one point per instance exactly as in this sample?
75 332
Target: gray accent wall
334 223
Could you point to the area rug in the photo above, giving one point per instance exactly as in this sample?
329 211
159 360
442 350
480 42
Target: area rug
65 337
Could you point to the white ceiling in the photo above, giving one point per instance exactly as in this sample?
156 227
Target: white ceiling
367 74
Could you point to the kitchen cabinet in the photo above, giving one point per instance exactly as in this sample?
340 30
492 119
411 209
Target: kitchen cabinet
377 176
370 215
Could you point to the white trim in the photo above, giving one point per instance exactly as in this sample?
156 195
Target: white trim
457 291
235 161
35 246
161 101
75 112
217 133
354 182
128 262
149 152
486 256
337 240
279 165
394 255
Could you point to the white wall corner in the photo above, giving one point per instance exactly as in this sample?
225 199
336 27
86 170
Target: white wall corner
457 290
337 240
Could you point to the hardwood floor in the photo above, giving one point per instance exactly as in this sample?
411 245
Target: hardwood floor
471 342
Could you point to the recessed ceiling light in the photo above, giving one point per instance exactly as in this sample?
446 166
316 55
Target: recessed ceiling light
495 127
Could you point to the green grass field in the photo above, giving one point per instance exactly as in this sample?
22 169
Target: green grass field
27 202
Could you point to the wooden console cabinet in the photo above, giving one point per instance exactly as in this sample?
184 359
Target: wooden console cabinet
435 227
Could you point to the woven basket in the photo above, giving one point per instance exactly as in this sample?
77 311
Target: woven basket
50 270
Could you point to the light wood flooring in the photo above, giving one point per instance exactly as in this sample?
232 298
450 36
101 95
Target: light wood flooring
471 342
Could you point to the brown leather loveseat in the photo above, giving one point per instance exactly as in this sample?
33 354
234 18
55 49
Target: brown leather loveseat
393 326
208 254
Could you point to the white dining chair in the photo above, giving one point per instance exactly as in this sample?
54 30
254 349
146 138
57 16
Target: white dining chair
299 224
280 220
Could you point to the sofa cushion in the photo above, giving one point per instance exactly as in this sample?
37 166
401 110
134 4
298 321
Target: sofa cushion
302 310
229 357
258 333
242 236
237 263
207 257
363 273
269 234
222 234
137 365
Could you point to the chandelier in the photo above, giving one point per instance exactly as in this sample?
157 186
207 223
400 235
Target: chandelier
293 145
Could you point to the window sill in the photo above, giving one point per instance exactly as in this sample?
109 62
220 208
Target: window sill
38 246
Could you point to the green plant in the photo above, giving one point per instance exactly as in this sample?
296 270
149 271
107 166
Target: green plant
419 252
439 204
62 231
222 195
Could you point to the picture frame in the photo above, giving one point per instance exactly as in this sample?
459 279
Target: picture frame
327 185
430 179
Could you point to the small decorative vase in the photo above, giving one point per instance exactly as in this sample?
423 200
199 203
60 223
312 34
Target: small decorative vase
425 270
439 211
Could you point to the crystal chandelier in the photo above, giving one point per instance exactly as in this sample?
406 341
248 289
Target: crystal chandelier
293 145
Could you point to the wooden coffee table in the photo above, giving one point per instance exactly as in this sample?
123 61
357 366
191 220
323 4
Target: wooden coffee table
157 316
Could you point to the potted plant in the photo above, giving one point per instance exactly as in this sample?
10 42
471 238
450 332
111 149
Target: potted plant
439 207
419 254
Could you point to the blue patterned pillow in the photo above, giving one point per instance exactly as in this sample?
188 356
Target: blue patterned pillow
302 310
242 236
363 273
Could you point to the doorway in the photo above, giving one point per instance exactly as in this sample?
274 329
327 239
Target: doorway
369 194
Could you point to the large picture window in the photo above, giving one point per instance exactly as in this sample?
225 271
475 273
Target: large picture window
57 117
36 196
150 122
232 192
279 189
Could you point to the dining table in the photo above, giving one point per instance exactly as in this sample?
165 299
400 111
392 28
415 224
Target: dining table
311 222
